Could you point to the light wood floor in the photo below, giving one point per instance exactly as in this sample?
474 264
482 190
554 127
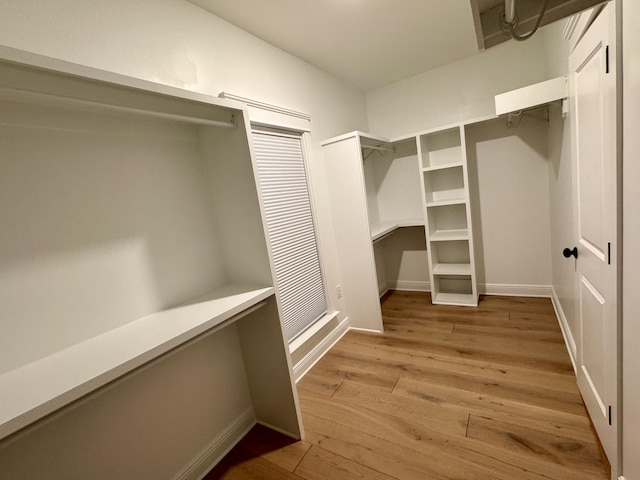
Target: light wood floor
444 393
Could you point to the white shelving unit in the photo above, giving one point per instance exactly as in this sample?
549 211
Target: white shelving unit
447 213
375 192
123 201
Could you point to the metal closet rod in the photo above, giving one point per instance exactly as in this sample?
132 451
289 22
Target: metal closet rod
55 99
382 149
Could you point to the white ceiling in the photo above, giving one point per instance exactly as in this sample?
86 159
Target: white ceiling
368 43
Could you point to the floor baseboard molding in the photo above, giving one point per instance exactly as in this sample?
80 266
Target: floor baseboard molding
564 327
514 290
309 360
511 290
217 449
410 286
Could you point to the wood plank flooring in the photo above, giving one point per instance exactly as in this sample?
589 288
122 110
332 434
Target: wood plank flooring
446 393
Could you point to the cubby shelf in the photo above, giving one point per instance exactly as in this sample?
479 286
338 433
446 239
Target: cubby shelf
449 201
452 269
445 192
442 167
455 299
449 235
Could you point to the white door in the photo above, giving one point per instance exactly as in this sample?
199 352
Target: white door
593 84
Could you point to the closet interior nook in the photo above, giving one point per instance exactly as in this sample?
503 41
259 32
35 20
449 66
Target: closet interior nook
383 185
132 236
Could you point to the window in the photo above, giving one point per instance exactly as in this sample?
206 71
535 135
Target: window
290 228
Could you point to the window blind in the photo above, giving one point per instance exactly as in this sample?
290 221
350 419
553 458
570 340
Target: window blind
290 228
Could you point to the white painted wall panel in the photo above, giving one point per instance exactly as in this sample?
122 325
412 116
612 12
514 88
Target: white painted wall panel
509 188
456 92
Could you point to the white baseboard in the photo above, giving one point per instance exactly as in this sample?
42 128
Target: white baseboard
309 360
410 286
510 290
217 449
564 326
513 290
279 430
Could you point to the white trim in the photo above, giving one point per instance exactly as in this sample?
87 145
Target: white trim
564 327
217 449
410 286
315 327
366 330
514 290
570 26
266 106
269 114
309 360
279 430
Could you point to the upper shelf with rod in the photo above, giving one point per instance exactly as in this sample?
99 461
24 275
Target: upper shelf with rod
532 96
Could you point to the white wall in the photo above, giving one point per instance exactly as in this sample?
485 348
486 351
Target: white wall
405 259
456 92
179 44
508 175
509 192
630 240
176 43
561 189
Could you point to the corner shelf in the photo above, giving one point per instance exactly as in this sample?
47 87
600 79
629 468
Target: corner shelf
445 192
381 230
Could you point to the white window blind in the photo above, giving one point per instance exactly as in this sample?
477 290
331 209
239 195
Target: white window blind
291 232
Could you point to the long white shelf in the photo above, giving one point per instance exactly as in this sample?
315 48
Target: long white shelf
532 95
380 230
37 389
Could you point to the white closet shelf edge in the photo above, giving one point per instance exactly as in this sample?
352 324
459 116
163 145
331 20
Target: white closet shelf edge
456 299
379 230
37 389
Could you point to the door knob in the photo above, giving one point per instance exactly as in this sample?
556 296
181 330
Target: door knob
568 252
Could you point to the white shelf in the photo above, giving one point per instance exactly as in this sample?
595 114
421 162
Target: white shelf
379 230
449 201
442 167
449 235
37 389
532 95
455 299
452 269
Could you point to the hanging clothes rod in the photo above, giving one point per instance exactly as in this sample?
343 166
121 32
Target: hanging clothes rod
49 99
517 116
381 149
